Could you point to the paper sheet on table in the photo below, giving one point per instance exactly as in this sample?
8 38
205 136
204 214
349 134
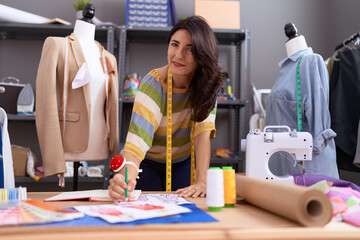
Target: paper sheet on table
148 206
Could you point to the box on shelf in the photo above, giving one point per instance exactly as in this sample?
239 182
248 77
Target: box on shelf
20 156
148 13
219 14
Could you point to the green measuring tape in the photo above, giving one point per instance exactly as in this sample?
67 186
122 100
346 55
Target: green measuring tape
298 94
299 101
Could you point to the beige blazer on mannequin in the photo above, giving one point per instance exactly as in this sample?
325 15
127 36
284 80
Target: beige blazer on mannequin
49 104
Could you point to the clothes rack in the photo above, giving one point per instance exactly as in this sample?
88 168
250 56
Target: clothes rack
348 40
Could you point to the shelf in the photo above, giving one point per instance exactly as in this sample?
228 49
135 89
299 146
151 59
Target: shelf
231 103
15 117
221 103
225 161
31 31
159 35
27 31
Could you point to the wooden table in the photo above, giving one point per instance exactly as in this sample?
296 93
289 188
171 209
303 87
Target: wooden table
244 221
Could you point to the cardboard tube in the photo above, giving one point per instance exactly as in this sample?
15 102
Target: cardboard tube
309 207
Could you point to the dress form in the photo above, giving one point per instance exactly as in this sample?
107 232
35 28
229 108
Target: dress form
295 42
84 31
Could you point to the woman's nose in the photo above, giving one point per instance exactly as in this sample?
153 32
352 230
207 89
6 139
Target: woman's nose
180 52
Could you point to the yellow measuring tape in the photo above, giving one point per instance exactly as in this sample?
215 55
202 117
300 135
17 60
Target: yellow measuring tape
169 137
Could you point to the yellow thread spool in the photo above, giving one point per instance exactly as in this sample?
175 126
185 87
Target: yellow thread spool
229 187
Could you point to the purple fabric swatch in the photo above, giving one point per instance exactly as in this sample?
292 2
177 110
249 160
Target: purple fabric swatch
308 180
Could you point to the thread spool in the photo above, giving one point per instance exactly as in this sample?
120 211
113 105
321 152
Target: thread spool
229 186
215 189
13 194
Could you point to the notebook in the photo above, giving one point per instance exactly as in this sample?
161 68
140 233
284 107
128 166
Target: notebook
98 195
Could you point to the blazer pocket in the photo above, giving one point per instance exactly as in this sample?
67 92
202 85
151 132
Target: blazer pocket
71 117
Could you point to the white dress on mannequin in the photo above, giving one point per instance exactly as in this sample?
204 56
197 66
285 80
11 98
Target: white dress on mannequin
98 145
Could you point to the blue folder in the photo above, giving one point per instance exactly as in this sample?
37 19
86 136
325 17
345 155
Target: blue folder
195 216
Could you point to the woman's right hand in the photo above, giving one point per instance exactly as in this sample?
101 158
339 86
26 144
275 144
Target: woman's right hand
117 187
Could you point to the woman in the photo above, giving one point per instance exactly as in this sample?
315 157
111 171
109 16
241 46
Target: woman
193 64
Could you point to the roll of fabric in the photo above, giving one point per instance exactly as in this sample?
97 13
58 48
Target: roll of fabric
96 171
306 206
83 169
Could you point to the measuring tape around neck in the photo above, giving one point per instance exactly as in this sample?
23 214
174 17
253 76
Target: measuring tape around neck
298 94
169 137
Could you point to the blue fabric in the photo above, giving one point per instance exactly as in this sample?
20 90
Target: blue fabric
2 181
153 176
196 215
281 110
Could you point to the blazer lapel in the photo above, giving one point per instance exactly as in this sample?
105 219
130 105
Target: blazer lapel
79 60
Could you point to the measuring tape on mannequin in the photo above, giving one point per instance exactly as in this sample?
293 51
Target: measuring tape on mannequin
298 95
299 99
169 137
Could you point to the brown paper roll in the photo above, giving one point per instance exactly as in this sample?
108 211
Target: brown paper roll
309 207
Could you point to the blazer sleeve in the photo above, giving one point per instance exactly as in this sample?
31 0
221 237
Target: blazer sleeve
47 118
114 110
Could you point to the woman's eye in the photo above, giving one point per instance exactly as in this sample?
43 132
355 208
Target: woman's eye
189 49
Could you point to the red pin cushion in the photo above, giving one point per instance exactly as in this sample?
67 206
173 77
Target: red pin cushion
118 162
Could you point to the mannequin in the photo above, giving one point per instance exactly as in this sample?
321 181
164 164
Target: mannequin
302 67
295 42
76 99
84 30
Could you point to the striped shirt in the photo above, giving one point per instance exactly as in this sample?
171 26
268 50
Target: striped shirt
147 130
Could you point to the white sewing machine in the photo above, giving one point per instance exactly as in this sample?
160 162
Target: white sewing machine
259 147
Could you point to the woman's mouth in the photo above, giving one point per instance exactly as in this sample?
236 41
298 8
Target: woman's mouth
177 64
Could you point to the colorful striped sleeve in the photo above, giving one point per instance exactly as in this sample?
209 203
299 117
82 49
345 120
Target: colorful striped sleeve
207 125
146 116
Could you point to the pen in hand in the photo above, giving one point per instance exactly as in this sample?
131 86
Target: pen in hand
126 181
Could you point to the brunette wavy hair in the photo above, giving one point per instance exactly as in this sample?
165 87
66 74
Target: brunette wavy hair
206 82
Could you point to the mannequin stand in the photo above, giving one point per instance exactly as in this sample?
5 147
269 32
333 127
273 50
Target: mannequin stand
106 174
76 175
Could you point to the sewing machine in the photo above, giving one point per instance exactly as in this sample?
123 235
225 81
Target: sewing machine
259 147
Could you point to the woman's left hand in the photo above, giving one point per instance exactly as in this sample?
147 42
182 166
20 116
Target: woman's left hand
196 190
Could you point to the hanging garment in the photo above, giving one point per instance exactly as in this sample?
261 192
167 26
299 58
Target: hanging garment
6 161
344 108
54 141
281 110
